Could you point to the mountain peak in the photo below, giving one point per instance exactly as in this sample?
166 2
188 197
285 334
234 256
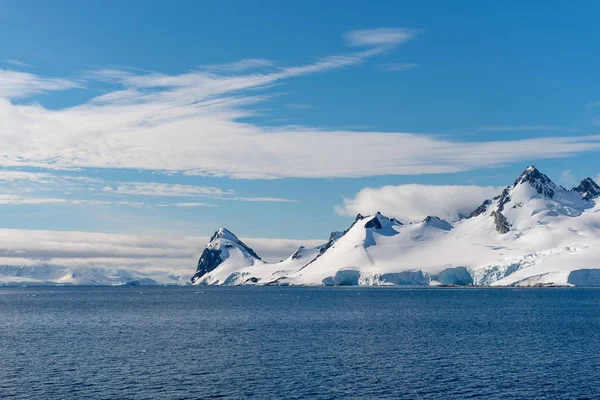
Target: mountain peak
223 233
539 181
220 247
588 188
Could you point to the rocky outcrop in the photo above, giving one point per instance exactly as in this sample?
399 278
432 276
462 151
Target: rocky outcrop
481 209
217 250
587 188
502 225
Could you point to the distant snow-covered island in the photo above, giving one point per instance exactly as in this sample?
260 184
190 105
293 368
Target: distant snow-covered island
534 233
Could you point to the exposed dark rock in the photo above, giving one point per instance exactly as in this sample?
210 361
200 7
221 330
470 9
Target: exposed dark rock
211 257
224 232
335 235
588 189
481 209
540 182
438 223
503 199
297 255
373 223
502 225
359 216
209 260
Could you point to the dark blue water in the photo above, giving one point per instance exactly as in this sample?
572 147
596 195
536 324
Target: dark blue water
323 343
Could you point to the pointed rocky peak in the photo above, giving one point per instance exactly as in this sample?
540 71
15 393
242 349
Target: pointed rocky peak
481 209
359 216
539 181
220 247
223 233
587 188
374 223
226 239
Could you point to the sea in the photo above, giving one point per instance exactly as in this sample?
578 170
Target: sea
299 343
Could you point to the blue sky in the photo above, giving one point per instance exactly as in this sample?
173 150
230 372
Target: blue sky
271 118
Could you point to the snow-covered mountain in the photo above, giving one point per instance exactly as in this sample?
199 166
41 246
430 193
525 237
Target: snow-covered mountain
533 233
50 274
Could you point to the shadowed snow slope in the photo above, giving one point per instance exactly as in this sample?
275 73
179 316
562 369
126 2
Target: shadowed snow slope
533 233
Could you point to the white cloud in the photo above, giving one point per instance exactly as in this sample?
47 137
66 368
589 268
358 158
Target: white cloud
191 204
380 36
416 202
238 66
398 67
20 176
15 84
260 199
27 182
178 190
168 131
165 189
12 199
194 123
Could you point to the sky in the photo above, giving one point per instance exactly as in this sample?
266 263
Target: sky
124 122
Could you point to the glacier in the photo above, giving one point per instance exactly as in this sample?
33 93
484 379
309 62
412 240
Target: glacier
534 233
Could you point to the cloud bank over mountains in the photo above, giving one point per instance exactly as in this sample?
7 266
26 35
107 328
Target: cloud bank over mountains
416 202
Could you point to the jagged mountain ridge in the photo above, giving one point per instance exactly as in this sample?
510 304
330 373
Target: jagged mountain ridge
533 233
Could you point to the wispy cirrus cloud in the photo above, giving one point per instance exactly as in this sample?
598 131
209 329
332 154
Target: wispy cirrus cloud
165 189
21 176
107 192
379 37
18 63
260 199
239 66
14 84
13 199
196 123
